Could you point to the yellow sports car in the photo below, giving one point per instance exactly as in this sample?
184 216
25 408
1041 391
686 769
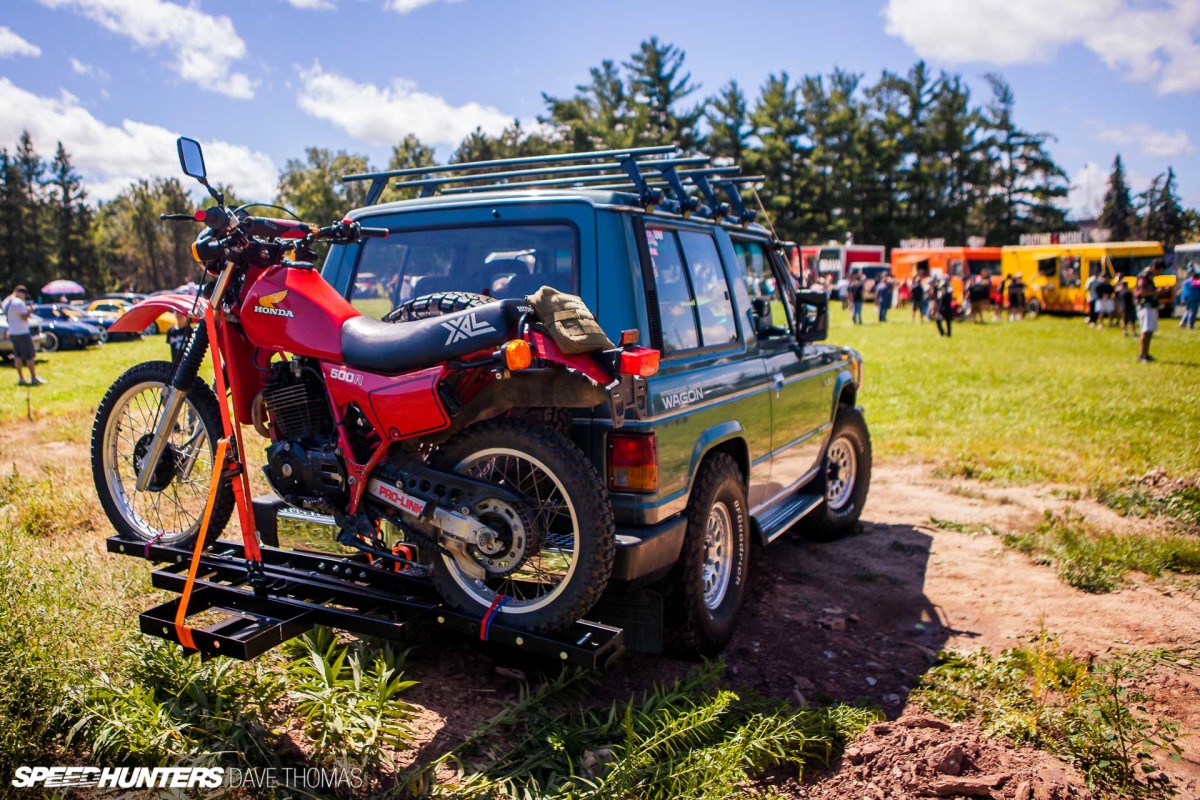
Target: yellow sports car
115 308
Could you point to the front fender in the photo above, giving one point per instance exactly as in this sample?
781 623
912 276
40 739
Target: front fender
142 314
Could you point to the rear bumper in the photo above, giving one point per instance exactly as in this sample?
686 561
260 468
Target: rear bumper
647 553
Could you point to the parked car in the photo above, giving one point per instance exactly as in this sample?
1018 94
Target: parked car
6 345
750 426
128 298
76 313
114 308
61 331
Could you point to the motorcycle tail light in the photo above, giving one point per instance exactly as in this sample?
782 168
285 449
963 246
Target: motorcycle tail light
641 361
517 354
633 462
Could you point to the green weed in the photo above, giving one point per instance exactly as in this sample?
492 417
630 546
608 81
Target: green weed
1182 506
691 739
1096 561
969 528
1089 714
347 696
45 508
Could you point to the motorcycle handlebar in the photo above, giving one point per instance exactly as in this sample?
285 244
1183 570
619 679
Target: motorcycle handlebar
373 233
268 228
177 217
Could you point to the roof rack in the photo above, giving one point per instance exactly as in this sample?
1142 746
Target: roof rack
658 176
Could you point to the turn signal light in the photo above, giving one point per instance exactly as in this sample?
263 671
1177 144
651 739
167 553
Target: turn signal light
195 253
517 354
641 361
633 462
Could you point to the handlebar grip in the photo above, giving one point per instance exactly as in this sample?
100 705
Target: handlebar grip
373 233
178 217
268 228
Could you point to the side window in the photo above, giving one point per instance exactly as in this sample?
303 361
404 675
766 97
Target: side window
1048 267
762 284
675 306
714 306
1070 271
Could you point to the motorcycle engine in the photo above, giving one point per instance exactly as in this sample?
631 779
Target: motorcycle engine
302 464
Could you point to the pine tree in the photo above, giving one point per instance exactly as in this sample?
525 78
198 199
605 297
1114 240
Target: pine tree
658 85
71 232
729 123
781 157
1118 216
31 256
1163 219
1026 184
597 117
410 153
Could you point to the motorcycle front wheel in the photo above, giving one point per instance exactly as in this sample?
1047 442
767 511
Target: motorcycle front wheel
171 508
554 552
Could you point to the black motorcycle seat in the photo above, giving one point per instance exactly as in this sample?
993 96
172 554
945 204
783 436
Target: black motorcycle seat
392 347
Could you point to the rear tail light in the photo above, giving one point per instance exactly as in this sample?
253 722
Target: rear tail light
633 462
641 361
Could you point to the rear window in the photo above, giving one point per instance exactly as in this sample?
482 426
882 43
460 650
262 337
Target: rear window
501 261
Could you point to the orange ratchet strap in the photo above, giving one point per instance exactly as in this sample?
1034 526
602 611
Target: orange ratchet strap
183 632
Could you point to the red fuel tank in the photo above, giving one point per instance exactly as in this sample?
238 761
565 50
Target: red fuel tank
296 311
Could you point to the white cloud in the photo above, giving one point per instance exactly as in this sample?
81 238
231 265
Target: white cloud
111 157
203 45
312 5
405 6
1151 141
1150 43
11 44
1086 198
384 115
81 68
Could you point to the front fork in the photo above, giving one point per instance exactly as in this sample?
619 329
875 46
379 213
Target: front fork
182 379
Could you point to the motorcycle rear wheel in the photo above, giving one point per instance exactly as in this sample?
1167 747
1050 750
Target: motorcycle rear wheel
570 551
170 510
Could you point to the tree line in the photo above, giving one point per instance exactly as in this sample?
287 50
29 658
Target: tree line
911 155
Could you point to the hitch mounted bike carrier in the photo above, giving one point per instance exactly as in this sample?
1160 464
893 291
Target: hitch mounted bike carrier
303 589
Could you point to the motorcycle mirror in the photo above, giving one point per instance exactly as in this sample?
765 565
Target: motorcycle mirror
191 158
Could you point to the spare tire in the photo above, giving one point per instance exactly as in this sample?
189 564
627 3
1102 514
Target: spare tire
435 305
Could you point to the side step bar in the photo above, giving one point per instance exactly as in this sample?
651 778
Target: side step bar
304 589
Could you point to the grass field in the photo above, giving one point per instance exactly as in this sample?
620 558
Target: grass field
1037 400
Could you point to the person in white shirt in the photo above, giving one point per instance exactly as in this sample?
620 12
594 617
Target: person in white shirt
16 310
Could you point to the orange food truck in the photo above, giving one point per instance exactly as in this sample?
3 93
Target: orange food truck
958 263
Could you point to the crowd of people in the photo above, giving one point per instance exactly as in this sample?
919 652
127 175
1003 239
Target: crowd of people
1111 303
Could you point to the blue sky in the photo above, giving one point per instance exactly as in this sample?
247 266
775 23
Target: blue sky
258 80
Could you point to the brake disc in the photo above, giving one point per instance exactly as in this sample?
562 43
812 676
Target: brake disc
516 538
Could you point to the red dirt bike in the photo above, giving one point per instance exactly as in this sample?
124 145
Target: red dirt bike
426 440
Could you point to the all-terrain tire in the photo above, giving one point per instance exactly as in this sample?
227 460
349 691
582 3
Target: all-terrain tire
594 530
848 450
120 513
435 305
700 619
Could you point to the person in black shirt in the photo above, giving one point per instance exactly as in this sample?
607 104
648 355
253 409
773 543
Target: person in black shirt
918 299
1128 307
1016 298
944 308
856 290
1105 303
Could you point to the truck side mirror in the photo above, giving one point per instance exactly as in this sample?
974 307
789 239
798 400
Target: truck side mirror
812 316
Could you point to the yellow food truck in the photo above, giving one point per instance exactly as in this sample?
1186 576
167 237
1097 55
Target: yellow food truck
1056 275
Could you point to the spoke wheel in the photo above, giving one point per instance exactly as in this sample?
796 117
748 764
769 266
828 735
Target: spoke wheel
552 553
170 510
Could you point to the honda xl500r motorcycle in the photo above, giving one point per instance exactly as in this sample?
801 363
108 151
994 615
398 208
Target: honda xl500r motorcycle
429 447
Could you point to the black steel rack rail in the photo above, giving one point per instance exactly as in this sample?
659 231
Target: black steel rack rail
657 176
303 589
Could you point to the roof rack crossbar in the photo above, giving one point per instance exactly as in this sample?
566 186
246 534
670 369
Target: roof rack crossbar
501 178
558 158
583 180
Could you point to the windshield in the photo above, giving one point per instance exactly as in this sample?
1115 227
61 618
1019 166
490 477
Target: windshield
502 261
1131 265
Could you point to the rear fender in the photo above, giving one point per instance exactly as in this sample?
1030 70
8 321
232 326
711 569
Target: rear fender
141 315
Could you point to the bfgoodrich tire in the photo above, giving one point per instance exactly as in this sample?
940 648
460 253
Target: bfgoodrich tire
844 478
706 587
